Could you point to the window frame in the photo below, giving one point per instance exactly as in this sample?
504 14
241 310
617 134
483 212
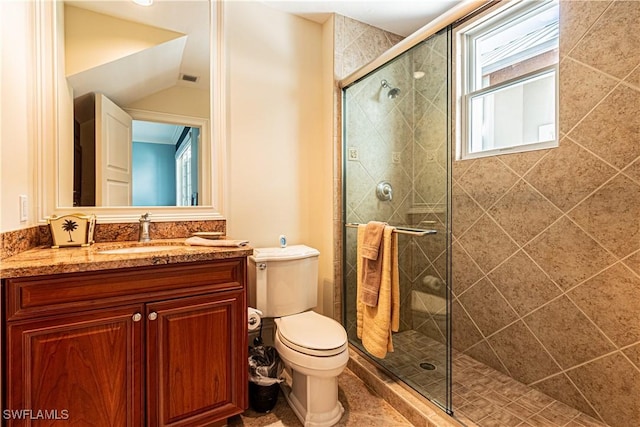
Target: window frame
184 189
507 16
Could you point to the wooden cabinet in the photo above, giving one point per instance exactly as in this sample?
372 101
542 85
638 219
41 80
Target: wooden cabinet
81 366
152 346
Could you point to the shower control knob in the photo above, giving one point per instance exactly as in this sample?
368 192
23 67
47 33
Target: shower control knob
384 192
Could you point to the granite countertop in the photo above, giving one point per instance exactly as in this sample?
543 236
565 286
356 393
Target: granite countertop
45 260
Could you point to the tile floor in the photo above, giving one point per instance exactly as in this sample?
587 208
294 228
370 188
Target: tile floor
362 408
482 396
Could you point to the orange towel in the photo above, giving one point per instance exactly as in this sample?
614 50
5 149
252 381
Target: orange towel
372 239
374 325
372 263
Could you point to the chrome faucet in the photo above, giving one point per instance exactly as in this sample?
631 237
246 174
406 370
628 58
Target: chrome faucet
143 234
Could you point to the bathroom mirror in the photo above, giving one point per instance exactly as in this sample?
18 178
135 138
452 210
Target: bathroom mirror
156 64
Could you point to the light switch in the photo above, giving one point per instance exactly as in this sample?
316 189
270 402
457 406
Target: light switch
24 208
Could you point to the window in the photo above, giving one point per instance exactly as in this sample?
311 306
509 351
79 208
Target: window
508 80
183 174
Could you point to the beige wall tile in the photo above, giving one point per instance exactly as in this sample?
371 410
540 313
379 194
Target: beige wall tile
612 301
611 130
633 262
612 215
487 244
488 309
609 46
465 210
523 212
616 401
633 170
483 352
465 272
575 19
465 334
528 289
568 174
582 88
560 387
460 167
487 180
633 353
568 254
520 163
634 78
511 343
567 334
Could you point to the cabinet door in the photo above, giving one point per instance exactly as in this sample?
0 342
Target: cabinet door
80 369
196 359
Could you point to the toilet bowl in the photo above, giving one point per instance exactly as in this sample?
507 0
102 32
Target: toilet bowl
313 360
313 347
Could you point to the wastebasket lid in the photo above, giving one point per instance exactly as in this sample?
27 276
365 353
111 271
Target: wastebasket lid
313 334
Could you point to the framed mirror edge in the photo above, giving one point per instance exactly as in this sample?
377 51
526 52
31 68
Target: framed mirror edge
50 140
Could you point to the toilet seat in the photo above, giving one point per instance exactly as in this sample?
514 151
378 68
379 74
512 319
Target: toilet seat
312 334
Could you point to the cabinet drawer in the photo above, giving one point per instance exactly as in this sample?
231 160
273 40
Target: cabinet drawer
43 295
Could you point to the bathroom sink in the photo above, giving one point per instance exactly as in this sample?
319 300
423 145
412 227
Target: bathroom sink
141 249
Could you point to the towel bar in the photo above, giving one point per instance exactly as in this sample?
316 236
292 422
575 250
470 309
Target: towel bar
401 230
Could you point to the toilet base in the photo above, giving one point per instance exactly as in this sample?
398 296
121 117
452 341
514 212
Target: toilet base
314 400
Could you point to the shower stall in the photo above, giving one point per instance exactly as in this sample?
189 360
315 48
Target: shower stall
397 166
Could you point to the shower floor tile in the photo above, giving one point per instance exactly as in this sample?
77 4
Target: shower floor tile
482 396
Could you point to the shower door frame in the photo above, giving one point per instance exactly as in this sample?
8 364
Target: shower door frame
447 405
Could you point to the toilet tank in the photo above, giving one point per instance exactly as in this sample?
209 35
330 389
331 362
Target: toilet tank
283 280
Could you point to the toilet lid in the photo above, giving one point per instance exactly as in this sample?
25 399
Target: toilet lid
313 334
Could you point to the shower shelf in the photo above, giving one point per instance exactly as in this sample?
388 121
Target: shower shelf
400 230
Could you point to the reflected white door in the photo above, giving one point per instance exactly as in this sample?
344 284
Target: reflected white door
113 154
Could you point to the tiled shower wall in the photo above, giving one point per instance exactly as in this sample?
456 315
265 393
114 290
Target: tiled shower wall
355 45
403 141
377 128
546 248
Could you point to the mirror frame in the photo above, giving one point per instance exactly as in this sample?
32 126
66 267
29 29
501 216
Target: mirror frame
51 139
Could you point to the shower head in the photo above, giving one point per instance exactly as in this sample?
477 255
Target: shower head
393 91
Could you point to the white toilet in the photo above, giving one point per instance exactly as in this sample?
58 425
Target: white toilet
313 347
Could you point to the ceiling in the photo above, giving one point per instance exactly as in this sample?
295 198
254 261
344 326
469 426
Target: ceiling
402 17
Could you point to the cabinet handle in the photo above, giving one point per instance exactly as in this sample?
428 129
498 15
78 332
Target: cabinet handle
153 315
137 317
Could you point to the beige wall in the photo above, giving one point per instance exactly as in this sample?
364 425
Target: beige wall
546 251
17 113
279 162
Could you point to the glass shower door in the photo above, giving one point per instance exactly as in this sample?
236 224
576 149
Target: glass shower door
396 142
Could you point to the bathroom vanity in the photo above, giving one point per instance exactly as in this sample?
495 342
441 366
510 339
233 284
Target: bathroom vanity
128 339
